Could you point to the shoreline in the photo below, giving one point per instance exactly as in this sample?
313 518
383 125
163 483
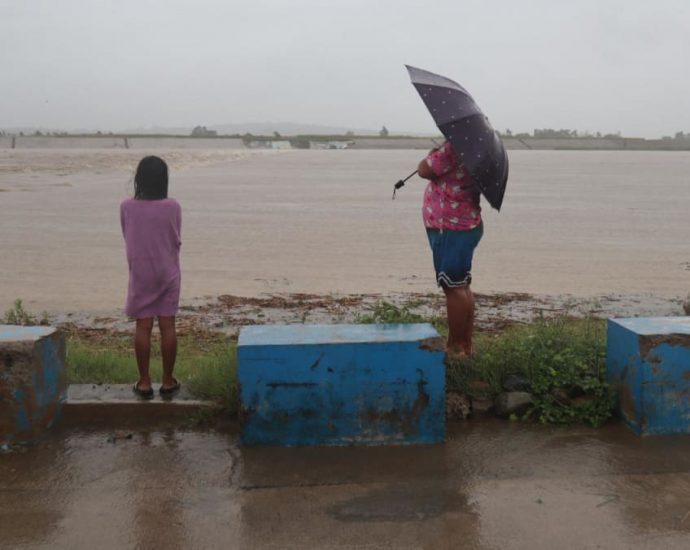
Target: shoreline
142 142
225 314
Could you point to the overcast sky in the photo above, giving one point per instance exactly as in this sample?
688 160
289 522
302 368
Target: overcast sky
607 65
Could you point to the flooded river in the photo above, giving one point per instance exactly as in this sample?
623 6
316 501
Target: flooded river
581 223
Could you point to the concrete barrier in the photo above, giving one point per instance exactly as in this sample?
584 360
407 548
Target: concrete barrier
648 363
118 142
424 144
32 382
571 144
50 142
341 384
89 404
184 143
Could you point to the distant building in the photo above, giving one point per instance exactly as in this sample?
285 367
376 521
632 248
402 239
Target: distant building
280 144
330 144
269 144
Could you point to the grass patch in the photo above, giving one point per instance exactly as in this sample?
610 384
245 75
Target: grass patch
563 358
385 312
207 367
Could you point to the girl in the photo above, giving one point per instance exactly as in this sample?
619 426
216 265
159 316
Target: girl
452 217
151 226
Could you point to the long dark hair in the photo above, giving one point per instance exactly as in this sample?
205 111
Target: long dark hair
151 179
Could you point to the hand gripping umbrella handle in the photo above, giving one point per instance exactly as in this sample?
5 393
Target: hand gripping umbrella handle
400 183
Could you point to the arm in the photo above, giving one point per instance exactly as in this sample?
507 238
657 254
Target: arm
437 163
425 171
178 224
122 219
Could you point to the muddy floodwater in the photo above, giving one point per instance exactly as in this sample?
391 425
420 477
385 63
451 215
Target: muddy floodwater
581 223
493 485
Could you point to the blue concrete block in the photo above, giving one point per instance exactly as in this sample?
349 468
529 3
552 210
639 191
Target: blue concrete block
341 384
648 363
33 382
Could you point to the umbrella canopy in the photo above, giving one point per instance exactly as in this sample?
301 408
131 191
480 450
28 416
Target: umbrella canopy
460 120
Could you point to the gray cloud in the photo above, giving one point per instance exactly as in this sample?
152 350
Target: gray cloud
597 65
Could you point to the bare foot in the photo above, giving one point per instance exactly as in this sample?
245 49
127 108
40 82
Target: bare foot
455 353
144 384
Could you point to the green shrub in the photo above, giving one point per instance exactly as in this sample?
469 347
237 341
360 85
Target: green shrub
568 372
564 359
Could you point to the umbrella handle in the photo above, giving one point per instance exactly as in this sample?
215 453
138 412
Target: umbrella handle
400 183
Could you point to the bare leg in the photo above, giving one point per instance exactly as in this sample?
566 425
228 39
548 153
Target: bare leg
168 349
469 322
460 309
142 351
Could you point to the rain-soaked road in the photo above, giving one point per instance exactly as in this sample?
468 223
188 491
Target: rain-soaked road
494 484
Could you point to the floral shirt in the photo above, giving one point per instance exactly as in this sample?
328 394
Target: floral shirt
451 202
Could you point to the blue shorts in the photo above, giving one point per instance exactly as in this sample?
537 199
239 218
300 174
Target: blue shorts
453 251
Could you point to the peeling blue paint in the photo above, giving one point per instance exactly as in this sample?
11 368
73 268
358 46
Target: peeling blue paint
35 380
340 385
21 419
49 390
648 363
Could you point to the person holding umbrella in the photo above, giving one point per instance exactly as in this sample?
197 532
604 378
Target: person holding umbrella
472 162
453 222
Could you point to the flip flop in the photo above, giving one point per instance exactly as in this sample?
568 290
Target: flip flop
144 394
172 390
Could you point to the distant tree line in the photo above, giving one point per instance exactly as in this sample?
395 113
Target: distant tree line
679 136
562 133
36 133
202 131
567 133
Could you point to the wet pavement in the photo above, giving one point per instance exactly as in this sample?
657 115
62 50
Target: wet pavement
494 484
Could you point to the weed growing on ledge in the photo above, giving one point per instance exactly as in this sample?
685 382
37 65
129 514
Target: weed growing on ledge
385 312
17 315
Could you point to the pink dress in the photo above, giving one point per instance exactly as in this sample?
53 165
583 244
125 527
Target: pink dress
152 230
451 202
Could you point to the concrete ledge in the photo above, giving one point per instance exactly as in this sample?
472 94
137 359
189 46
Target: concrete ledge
98 402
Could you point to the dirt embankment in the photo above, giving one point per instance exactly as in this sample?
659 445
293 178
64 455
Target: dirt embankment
226 313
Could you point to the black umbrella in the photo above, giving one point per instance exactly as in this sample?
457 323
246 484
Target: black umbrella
476 143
